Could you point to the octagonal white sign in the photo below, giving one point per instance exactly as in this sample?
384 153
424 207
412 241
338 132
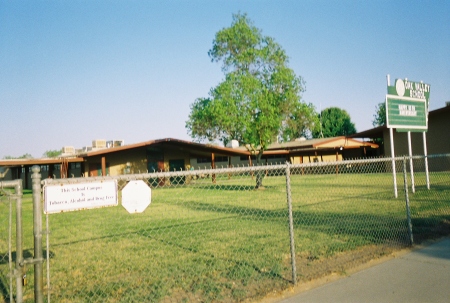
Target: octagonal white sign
136 196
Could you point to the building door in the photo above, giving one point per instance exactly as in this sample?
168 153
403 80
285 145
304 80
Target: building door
95 169
155 163
177 165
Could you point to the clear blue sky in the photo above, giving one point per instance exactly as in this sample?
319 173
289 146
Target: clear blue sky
74 71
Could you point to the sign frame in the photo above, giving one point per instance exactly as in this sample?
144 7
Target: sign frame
406 114
66 197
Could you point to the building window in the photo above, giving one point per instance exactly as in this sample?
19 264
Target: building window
245 158
221 159
75 165
274 157
203 160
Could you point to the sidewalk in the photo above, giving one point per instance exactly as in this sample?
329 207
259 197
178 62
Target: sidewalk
422 275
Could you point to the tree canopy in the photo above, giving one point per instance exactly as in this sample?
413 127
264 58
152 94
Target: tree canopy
379 118
260 98
52 153
334 122
24 156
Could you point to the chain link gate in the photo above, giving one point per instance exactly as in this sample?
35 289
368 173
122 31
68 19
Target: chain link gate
11 249
17 214
210 236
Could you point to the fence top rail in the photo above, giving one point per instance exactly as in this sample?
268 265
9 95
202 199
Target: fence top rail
10 184
167 174
243 168
429 156
344 162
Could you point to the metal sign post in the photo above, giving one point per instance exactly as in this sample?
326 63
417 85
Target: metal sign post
391 138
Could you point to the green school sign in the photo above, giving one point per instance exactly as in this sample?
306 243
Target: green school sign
407 106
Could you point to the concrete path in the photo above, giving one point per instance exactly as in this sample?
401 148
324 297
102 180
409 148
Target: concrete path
422 275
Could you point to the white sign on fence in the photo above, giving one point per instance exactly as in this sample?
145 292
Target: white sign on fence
136 196
71 197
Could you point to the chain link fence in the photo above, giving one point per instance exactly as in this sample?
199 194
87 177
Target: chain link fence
210 236
430 200
346 214
6 235
12 242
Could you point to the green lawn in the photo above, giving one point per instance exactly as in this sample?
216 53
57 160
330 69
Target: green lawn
227 242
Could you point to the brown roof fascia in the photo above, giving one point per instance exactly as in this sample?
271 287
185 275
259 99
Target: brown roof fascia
304 145
373 145
44 161
275 152
206 148
376 132
327 141
116 149
170 141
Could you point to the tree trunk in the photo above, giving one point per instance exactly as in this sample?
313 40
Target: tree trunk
259 173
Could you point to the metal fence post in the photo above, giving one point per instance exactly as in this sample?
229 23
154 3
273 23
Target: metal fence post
37 230
408 211
291 222
19 244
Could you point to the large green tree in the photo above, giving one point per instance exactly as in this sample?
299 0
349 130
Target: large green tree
260 97
301 122
379 118
334 122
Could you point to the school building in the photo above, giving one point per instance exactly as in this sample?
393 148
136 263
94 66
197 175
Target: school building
115 158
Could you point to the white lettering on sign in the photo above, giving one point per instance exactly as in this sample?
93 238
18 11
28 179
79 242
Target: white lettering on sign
416 90
407 110
70 197
419 94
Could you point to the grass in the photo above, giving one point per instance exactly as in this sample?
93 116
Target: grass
227 242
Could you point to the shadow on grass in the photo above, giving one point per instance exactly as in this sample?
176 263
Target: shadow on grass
239 270
430 228
27 254
4 289
368 226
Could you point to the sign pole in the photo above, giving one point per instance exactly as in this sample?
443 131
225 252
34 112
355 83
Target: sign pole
391 135
394 176
426 159
411 162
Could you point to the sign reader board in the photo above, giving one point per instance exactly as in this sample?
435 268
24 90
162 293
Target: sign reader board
407 106
70 197
406 113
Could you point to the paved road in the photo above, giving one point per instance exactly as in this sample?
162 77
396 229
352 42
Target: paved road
422 275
